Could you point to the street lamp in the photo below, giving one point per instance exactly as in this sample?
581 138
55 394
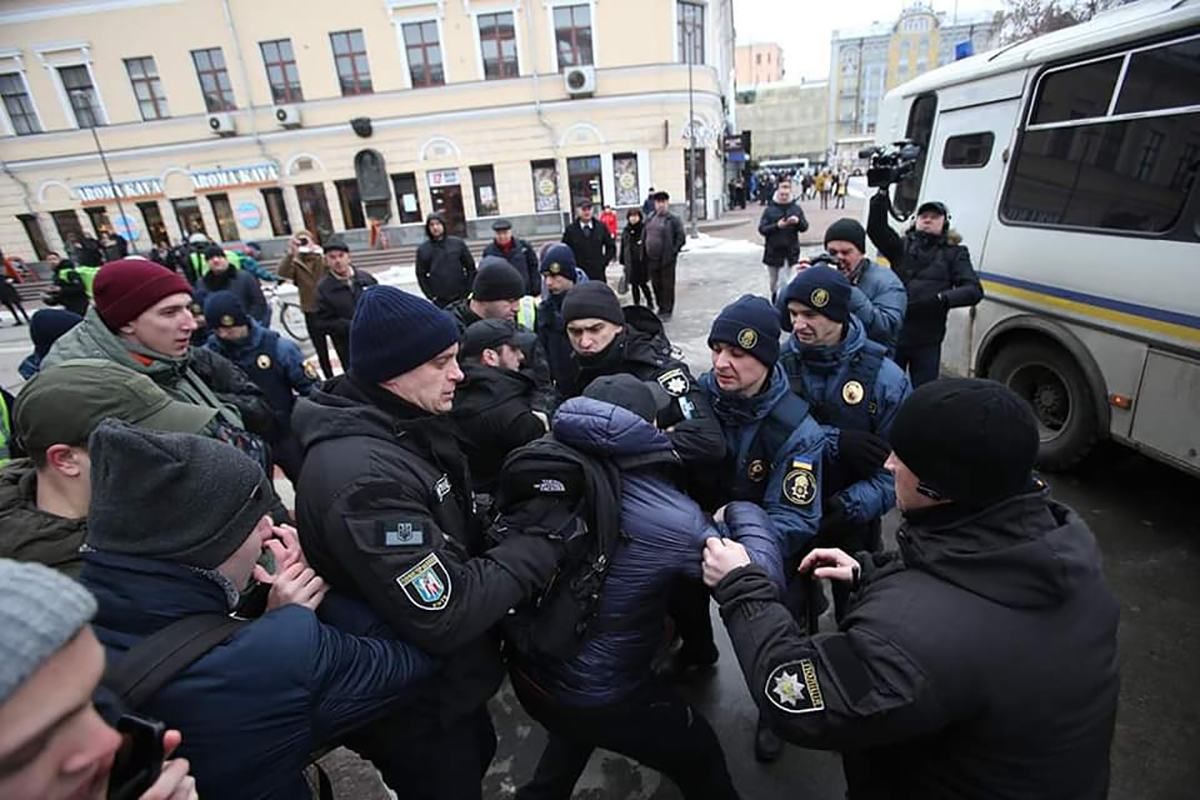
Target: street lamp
82 104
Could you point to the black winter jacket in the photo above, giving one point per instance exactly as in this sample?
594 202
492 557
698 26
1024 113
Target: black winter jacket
936 273
980 661
524 260
493 409
387 514
243 285
337 298
633 253
592 251
782 245
445 267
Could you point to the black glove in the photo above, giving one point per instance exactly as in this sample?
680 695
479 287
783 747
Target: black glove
862 452
833 516
927 307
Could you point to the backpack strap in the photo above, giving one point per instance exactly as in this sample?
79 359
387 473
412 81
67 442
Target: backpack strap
149 665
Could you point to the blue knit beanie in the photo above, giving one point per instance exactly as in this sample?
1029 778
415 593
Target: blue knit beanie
559 259
224 310
751 324
394 332
821 288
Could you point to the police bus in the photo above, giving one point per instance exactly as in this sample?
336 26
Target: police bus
1069 165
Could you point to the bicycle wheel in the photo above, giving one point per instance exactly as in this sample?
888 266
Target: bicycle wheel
292 318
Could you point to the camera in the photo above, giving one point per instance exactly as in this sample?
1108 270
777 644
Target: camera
890 164
824 258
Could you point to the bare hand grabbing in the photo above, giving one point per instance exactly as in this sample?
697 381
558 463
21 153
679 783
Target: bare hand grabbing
831 563
721 557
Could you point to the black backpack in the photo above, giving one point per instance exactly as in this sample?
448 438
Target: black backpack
547 488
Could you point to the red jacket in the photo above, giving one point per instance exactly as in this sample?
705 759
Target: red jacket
609 220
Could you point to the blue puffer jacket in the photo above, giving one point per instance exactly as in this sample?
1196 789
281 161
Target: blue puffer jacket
823 371
663 537
275 364
253 709
879 300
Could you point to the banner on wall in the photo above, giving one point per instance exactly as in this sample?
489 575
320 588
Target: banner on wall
135 189
545 189
626 180
252 175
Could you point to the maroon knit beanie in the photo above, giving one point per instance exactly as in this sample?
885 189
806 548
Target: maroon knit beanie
124 289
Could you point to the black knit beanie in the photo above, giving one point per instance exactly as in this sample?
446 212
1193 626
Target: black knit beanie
592 300
847 230
972 441
497 280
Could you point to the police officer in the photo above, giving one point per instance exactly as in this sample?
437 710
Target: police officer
275 364
517 252
978 661
387 514
560 274
774 448
935 268
851 385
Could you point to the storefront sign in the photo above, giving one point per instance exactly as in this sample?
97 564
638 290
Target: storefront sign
126 226
126 190
249 215
251 175
443 177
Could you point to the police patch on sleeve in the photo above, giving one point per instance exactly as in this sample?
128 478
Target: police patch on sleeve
310 371
674 382
403 533
799 485
793 687
427 585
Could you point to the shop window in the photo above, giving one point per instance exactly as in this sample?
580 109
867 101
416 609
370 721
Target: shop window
18 104
691 32
33 231
77 83
424 54
214 80
498 46
545 185
407 200
573 36
277 212
156 229
968 150
282 73
483 178
187 214
350 58
98 216
226 223
351 203
315 210
67 224
583 180
147 88
625 179
445 197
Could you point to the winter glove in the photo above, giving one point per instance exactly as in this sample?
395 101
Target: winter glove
833 516
862 453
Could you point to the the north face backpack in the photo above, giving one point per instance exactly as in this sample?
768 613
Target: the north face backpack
552 490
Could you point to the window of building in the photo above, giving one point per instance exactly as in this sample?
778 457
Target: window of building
18 105
187 214
920 128
98 216
573 35
147 88
351 203
758 58
67 224
350 58
424 54
314 209
77 83
226 223
498 46
483 178
277 211
625 179
583 180
33 231
968 150
214 80
408 202
156 229
691 32
282 73
545 185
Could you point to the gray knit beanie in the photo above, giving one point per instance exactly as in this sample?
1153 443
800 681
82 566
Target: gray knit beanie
172 496
40 611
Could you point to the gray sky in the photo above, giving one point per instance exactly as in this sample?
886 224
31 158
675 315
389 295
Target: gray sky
803 27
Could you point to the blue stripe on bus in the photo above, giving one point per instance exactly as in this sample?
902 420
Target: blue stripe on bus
1162 315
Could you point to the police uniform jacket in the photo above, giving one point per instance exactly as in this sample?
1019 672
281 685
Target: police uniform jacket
978 662
851 385
493 409
773 457
275 364
386 514
642 350
878 299
552 336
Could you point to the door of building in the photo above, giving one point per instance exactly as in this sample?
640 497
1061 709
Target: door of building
583 178
156 229
445 194
315 210
699 188
277 212
187 214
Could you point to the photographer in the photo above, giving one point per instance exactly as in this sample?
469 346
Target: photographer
936 271
781 224
304 265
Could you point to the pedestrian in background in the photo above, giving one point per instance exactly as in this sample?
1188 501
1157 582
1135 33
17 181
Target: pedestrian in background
337 295
608 218
664 239
445 267
591 242
780 225
633 257
304 265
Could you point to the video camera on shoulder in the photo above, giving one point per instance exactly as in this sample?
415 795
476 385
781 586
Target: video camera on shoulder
890 163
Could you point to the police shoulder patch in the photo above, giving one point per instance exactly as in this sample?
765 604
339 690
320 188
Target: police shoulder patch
427 585
674 382
403 533
793 688
799 485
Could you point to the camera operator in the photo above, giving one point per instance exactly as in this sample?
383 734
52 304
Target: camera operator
936 271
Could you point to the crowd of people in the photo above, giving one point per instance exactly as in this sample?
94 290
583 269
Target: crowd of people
518 476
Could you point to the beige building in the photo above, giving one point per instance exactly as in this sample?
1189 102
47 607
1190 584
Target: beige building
757 64
786 120
251 119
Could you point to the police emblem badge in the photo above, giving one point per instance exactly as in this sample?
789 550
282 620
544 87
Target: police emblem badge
226 320
674 382
427 585
747 338
799 485
757 470
852 393
263 361
819 298
793 687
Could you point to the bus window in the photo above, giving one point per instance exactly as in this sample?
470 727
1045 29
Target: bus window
920 129
1163 77
971 150
1076 93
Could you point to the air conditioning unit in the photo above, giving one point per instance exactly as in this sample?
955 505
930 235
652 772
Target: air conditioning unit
580 81
222 124
287 116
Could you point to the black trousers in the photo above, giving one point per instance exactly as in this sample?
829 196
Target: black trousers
320 344
638 290
14 306
923 362
687 606
662 278
288 456
654 726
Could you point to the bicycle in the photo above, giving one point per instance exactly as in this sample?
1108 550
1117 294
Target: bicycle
291 315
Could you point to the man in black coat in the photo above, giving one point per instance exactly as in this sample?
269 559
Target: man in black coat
387 514
445 267
978 661
781 224
662 240
225 277
591 243
517 252
496 404
935 268
337 294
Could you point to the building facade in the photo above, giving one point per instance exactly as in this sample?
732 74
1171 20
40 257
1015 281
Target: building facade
865 63
787 120
757 64
254 119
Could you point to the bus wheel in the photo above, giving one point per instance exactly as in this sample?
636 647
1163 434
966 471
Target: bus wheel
1055 387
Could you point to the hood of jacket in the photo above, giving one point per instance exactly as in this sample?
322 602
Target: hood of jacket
734 410
1025 552
606 430
431 218
828 359
31 534
487 387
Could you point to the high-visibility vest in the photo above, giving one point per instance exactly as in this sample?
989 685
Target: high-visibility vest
200 263
527 313
88 276
5 433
